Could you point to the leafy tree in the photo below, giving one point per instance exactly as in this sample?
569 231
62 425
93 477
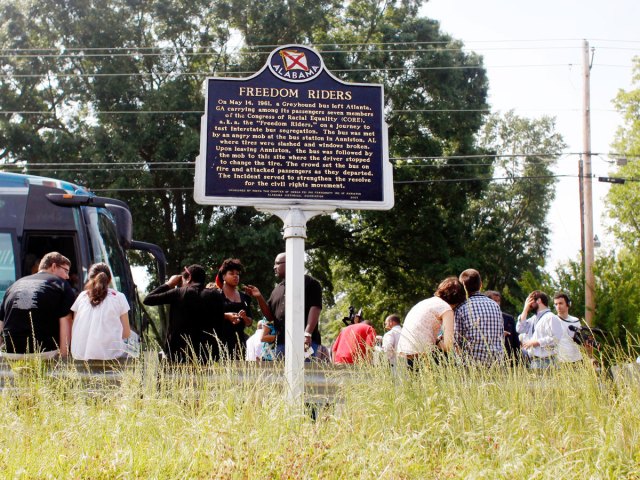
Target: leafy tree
117 85
113 84
399 256
623 199
618 299
510 233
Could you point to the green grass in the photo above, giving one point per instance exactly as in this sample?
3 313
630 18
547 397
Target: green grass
442 422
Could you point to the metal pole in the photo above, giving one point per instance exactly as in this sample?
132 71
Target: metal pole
295 233
589 287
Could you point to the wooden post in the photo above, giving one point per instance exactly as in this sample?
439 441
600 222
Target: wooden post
589 287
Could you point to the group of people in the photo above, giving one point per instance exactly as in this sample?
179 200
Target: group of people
461 318
41 314
546 338
207 321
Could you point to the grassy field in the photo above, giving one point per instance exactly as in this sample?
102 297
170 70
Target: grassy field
439 423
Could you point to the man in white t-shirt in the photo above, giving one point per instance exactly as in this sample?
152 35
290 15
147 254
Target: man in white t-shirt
568 350
390 339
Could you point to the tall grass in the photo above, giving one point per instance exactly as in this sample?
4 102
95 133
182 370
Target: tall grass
231 421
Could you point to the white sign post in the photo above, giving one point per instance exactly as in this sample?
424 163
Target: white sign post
295 233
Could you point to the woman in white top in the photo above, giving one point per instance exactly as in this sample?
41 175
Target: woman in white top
101 319
428 327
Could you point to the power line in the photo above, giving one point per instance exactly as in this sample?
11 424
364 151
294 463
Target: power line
151 165
247 49
207 51
150 169
201 112
195 49
82 55
396 182
486 179
333 44
233 74
99 164
116 168
190 168
191 162
108 112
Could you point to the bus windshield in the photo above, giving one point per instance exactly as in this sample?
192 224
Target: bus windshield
105 248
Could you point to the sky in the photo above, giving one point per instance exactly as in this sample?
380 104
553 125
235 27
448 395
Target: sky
533 53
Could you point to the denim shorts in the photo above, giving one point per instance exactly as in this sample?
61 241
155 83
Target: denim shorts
542 363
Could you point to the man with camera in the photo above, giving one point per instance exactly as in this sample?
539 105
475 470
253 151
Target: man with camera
568 350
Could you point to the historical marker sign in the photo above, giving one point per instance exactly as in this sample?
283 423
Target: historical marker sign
293 134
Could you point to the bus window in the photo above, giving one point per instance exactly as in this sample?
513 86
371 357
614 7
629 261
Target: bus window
37 244
7 263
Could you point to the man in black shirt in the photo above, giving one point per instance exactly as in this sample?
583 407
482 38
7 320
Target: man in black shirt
274 308
36 310
511 339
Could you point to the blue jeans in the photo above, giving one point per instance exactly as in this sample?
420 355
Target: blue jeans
280 351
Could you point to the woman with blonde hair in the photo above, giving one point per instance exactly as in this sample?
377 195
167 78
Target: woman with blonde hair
101 319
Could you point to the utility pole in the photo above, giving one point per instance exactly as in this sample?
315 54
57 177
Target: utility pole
589 280
581 194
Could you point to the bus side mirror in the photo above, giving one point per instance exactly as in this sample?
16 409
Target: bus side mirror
157 253
118 209
124 224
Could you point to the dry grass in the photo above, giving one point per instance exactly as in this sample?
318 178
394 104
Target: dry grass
442 422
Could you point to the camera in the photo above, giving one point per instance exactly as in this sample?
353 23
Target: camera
350 320
586 336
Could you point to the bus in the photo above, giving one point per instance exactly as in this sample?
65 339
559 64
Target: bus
40 215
